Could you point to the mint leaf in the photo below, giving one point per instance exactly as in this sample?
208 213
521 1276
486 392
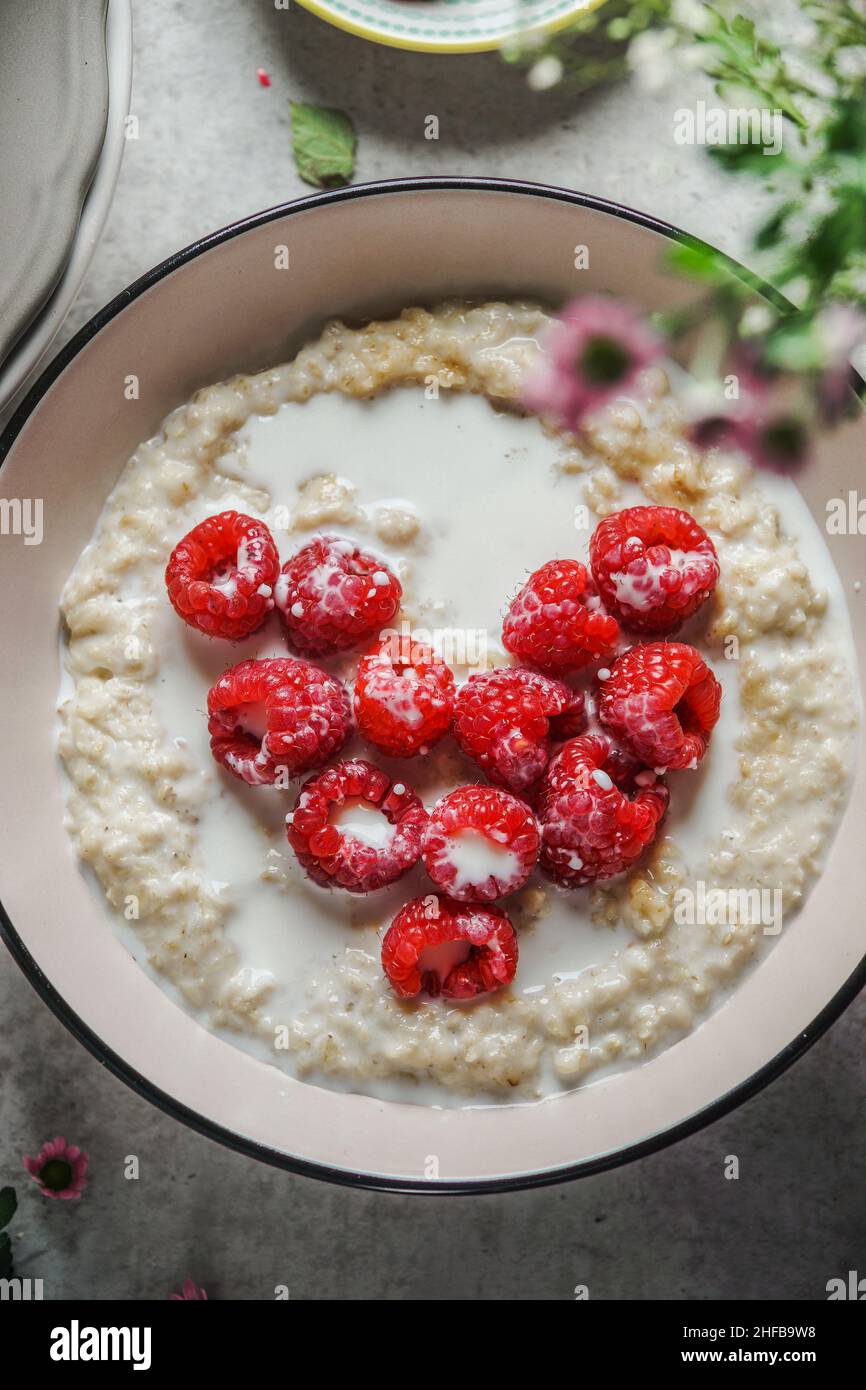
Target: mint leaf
323 145
8 1205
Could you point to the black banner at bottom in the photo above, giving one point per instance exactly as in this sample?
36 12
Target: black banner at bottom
65 1339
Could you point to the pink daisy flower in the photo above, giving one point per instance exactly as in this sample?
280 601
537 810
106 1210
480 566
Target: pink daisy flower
775 439
767 422
841 328
592 353
189 1291
59 1169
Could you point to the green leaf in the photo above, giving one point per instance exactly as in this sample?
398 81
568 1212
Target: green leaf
793 346
700 262
323 145
835 240
8 1205
846 132
749 159
5 1256
771 230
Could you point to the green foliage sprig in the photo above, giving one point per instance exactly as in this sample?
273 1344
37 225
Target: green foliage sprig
811 245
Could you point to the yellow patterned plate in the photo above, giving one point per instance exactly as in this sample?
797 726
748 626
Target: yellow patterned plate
447 26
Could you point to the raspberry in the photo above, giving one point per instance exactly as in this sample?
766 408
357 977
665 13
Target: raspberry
276 718
663 701
444 947
333 596
480 843
654 566
359 853
597 814
404 697
504 719
220 578
557 622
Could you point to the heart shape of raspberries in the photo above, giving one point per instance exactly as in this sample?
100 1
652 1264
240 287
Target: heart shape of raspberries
599 797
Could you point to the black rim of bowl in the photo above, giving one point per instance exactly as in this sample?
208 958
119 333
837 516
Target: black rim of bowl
40 982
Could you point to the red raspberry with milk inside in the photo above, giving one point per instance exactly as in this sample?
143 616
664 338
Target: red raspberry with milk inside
404 697
333 596
276 717
598 811
220 578
459 950
480 843
654 567
662 700
353 828
556 621
507 719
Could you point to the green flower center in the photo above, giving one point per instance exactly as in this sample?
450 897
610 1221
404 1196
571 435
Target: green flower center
56 1174
604 361
785 440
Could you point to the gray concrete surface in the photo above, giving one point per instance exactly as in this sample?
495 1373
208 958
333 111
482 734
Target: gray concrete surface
214 145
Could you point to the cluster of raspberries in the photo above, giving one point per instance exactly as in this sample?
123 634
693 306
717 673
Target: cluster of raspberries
575 780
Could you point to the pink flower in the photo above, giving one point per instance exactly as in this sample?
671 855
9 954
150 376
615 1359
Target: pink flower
777 440
188 1291
59 1169
591 354
766 422
840 329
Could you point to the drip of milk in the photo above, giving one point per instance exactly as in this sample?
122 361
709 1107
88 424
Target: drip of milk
395 696
227 580
442 959
640 591
362 821
252 718
477 858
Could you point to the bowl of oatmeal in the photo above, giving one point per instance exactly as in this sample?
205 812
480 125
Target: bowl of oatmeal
305 836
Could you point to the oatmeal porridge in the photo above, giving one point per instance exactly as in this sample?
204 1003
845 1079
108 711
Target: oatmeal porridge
402 439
